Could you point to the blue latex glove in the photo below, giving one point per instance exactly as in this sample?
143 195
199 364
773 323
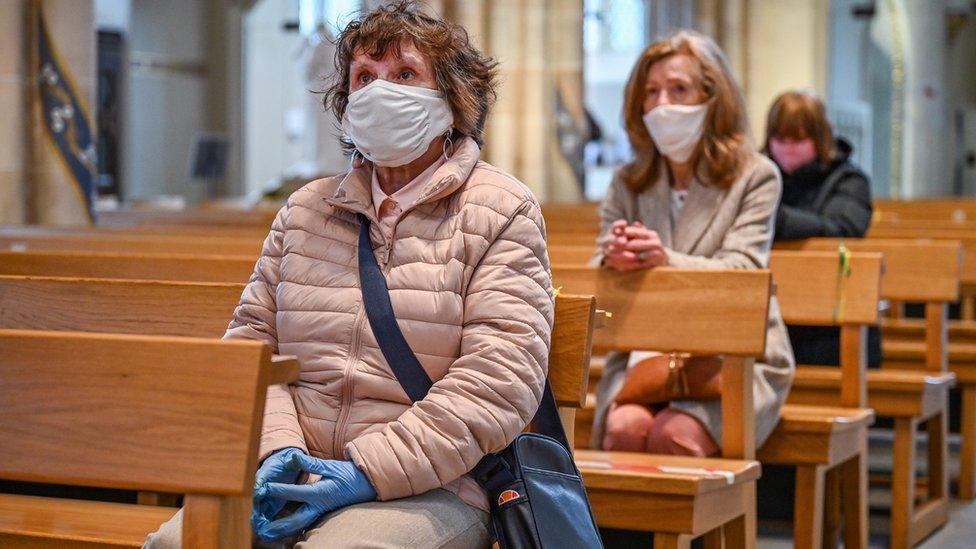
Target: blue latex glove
342 484
278 467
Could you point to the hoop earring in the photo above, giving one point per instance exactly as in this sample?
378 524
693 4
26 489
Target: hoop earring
448 144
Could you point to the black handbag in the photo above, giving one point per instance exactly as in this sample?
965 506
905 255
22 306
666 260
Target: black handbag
536 491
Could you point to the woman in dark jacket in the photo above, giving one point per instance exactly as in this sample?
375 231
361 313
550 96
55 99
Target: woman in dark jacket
824 195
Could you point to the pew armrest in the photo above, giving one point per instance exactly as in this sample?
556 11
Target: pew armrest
284 369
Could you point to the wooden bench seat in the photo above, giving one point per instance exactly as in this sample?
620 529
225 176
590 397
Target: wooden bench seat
664 493
38 522
891 393
816 435
672 474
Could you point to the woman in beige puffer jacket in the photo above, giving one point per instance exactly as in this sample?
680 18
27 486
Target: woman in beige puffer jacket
462 247
469 281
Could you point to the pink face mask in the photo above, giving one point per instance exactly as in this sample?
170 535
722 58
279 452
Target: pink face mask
790 154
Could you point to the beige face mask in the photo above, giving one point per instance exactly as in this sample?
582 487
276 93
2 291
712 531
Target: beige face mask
676 129
392 124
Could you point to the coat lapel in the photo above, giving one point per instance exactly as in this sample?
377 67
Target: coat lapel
696 215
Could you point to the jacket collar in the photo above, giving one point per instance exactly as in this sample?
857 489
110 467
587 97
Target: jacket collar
355 192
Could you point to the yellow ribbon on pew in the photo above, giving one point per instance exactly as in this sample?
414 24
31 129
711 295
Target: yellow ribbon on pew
843 272
608 314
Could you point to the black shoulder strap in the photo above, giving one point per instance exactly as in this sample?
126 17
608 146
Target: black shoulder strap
401 358
379 310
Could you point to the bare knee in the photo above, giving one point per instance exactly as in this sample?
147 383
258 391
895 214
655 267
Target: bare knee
678 433
627 428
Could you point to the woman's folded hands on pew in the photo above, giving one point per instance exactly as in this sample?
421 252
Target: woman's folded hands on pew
628 247
342 484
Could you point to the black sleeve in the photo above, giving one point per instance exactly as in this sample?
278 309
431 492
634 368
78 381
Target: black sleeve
845 213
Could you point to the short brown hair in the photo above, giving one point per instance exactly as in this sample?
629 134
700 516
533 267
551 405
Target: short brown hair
800 114
465 75
719 156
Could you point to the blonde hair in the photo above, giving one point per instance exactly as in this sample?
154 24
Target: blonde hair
720 154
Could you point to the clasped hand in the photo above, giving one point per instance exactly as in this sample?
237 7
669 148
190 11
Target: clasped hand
630 247
342 484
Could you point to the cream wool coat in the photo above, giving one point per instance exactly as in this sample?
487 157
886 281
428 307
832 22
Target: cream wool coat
471 288
716 229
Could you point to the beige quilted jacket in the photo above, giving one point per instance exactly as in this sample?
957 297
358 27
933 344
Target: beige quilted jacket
470 284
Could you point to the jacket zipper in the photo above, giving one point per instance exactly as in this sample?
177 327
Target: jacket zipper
338 440
348 377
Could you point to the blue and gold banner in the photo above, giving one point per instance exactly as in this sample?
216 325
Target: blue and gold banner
66 121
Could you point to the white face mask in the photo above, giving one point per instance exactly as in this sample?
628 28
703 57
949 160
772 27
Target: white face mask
676 129
392 124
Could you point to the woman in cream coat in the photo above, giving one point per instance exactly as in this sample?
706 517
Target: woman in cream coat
697 196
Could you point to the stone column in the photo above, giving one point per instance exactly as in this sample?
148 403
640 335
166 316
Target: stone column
925 162
13 132
786 48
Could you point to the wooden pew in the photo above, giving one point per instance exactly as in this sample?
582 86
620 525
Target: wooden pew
572 218
815 439
818 439
117 306
916 271
179 267
260 219
966 237
723 312
183 309
943 209
131 412
95 240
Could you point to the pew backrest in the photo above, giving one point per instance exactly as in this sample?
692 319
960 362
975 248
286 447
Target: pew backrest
89 240
176 267
942 209
687 311
916 271
136 412
117 306
830 289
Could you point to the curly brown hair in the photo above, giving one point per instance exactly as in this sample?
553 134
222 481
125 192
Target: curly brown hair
719 156
465 75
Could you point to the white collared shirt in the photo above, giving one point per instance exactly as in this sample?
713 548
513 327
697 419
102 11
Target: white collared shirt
401 199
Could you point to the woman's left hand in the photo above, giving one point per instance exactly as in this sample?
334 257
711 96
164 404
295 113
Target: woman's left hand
342 485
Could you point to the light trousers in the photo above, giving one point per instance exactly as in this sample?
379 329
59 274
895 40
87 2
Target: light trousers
436 519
